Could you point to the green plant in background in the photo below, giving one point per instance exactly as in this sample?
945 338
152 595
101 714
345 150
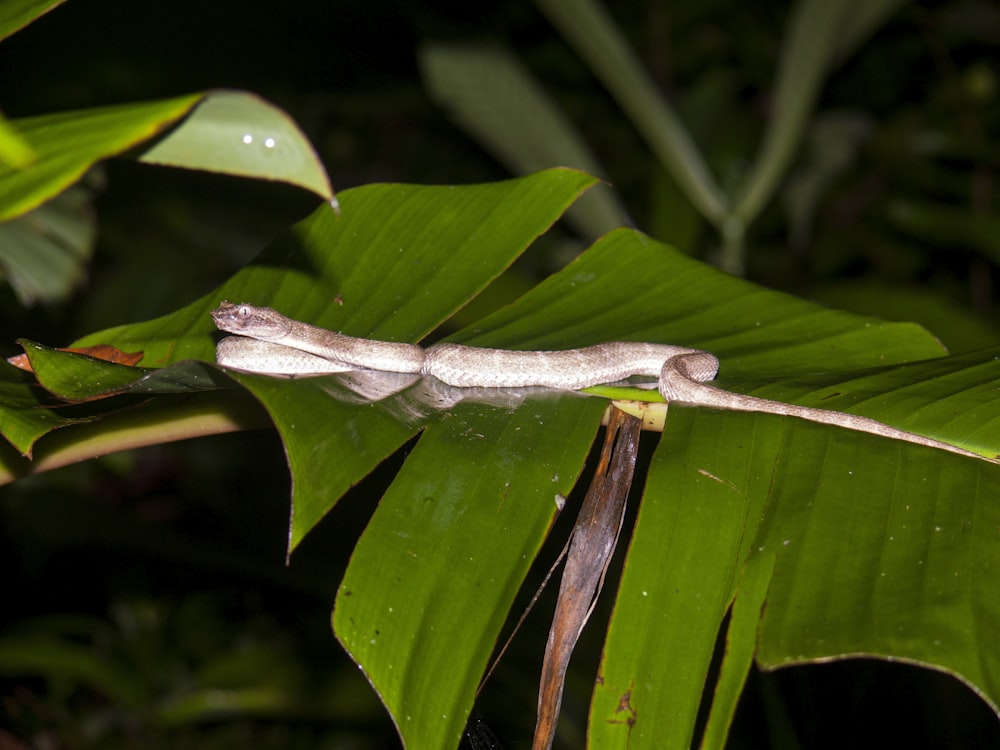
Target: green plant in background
495 99
794 543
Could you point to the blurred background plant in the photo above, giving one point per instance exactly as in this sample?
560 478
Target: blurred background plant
843 152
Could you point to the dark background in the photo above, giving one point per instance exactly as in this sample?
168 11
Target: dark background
168 563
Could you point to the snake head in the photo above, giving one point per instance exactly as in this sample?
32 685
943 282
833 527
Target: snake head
261 323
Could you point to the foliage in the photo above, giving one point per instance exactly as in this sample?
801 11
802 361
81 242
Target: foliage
786 543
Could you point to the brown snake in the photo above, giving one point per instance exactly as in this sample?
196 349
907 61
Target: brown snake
271 343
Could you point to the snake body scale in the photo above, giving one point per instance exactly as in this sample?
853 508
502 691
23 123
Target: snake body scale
268 342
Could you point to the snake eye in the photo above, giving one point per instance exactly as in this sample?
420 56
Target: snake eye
244 311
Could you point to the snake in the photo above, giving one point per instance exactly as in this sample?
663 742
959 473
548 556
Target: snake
268 342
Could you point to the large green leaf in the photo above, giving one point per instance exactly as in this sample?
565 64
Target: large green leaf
736 505
694 534
897 563
683 567
350 265
452 541
397 262
866 561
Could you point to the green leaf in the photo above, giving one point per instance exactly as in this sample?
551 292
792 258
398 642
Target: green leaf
859 567
394 264
448 537
693 528
366 263
741 644
76 377
895 564
14 150
794 336
231 132
25 412
113 428
16 14
70 143
45 251
236 132
28 413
